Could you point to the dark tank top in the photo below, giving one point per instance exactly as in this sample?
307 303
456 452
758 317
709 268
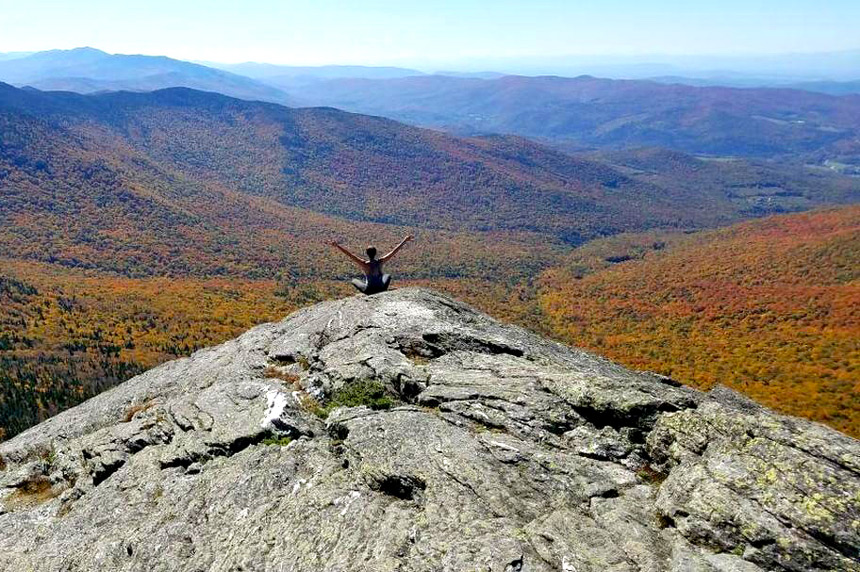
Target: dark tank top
374 273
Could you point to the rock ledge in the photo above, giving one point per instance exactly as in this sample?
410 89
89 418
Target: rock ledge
486 448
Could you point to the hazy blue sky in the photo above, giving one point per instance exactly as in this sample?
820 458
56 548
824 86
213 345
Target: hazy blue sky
427 32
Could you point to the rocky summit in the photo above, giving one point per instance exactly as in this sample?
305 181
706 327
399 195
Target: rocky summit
408 432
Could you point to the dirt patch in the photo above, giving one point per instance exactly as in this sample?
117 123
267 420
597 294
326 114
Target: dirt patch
34 491
273 372
135 409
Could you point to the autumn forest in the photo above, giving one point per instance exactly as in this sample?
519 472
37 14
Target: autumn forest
137 228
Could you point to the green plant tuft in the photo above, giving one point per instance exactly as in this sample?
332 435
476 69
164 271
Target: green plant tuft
281 441
369 393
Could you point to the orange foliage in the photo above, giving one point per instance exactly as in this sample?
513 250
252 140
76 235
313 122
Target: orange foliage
769 307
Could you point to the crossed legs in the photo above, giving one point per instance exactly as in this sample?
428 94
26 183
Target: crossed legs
365 288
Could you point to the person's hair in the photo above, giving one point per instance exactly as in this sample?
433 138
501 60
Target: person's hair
371 252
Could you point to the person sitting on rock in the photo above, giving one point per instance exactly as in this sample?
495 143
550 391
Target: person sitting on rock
374 280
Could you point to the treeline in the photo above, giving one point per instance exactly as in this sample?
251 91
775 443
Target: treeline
39 386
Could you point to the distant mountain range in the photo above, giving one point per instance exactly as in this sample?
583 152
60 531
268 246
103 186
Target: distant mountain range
573 114
797 70
765 69
820 86
87 70
591 113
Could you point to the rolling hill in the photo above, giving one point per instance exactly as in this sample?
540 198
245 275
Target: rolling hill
590 113
190 183
767 307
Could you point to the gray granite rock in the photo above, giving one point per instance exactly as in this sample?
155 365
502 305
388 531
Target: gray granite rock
496 450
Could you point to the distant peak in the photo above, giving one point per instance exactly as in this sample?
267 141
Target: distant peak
87 50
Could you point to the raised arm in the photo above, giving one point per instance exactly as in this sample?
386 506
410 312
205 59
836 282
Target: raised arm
361 263
397 248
